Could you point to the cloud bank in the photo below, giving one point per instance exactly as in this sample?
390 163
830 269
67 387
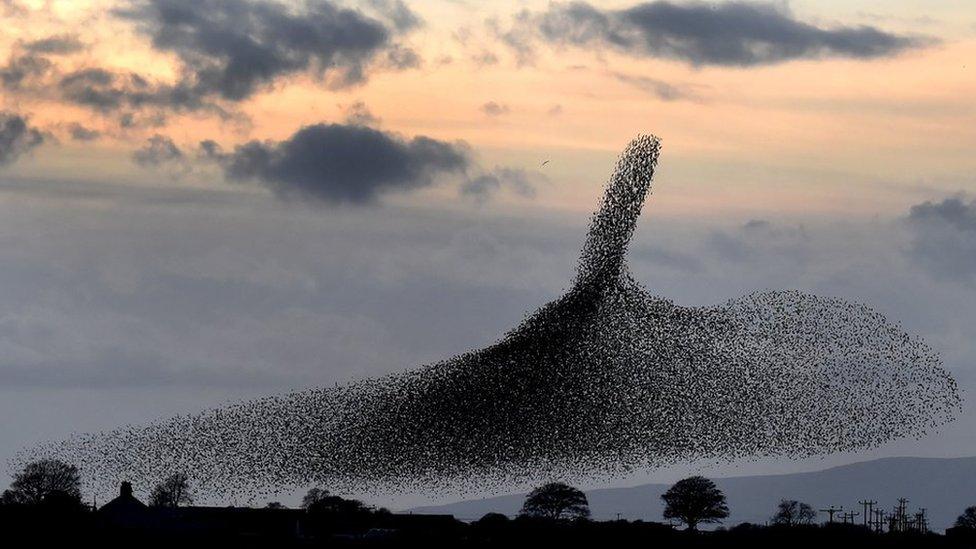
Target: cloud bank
737 34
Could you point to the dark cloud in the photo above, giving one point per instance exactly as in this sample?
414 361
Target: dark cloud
492 108
56 45
944 240
730 34
157 151
81 133
17 137
665 91
28 62
97 88
22 68
211 150
335 163
235 48
109 91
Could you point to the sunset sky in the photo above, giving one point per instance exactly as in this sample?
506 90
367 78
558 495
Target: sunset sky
208 200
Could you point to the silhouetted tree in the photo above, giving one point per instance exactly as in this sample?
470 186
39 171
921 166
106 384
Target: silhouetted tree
44 479
492 520
792 513
313 496
275 505
172 492
339 505
693 501
967 519
556 501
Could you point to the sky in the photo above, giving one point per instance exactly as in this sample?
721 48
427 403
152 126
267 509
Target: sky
203 201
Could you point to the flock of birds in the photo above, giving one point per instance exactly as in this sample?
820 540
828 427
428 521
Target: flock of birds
603 380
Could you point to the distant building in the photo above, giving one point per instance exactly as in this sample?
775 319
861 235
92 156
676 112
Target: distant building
126 511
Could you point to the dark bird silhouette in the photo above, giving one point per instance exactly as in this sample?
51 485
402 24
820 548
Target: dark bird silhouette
602 380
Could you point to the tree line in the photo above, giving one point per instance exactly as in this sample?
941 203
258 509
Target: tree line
691 501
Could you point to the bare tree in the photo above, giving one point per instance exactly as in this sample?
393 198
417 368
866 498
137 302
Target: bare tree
313 497
172 492
40 480
693 501
967 519
793 513
556 501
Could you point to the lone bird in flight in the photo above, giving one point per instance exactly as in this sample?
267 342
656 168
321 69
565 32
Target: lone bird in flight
602 380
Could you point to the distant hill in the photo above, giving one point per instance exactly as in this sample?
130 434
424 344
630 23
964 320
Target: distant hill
943 486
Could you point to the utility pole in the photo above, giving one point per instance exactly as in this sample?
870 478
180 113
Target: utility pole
902 514
879 517
868 506
830 512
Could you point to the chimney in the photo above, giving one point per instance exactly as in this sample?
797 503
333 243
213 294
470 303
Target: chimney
125 491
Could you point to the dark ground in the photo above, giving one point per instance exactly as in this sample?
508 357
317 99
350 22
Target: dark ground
240 527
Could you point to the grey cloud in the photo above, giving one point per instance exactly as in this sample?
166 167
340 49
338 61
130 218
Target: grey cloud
730 34
484 186
481 188
56 45
235 48
358 114
157 151
211 150
335 163
401 58
757 237
492 108
17 137
944 238
664 91
398 13
673 259
81 133
484 58
110 92
22 68
97 88
755 224
519 37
